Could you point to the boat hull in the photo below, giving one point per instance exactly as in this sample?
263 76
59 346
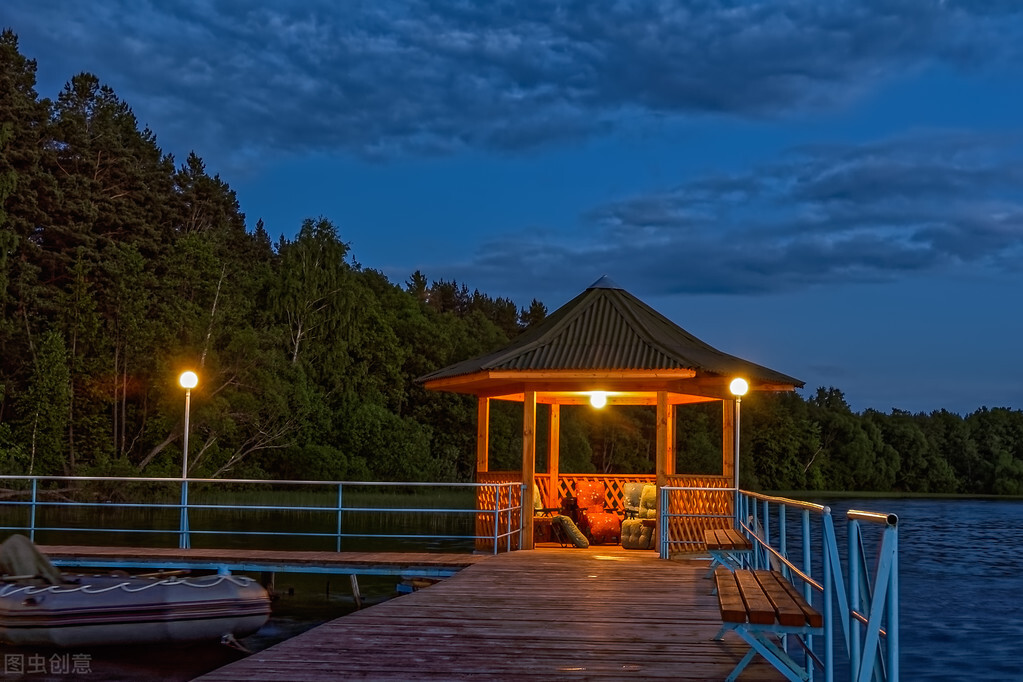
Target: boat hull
111 610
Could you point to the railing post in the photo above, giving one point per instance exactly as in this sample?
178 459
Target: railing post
767 534
497 513
783 540
893 608
32 519
741 515
828 608
340 487
522 525
758 549
807 569
855 631
183 539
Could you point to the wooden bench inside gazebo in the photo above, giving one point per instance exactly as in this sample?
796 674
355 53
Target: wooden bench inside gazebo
606 347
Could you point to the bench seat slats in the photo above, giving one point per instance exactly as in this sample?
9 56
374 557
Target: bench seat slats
789 612
758 606
762 597
723 539
738 540
733 610
812 615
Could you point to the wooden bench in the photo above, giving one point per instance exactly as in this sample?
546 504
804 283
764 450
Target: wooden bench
727 547
756 604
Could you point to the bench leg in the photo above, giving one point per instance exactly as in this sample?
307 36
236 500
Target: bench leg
729 559
714 562
760 644
740 666
724 628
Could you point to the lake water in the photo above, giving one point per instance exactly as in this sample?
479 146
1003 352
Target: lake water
961 583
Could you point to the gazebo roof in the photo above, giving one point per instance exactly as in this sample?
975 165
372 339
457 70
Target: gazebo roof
606 339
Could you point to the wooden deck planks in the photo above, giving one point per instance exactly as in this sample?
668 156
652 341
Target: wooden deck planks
545 614
334 561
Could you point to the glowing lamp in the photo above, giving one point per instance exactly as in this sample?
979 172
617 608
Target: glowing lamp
738 387
188 380
598 399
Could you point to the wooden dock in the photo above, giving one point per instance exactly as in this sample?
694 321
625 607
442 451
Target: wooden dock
545 614
412 564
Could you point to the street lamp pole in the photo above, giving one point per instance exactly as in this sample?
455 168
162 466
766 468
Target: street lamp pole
188 381
738 387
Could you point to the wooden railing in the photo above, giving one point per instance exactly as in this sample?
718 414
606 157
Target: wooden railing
485 504
692 510
614 487
696 506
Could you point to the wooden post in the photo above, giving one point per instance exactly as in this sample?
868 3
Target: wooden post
663 449
669 427
356 594
553 454
482 435
728 439
528 466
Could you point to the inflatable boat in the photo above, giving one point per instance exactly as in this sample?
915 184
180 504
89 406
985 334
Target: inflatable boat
52 609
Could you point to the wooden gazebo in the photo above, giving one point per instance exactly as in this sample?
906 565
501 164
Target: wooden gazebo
606 341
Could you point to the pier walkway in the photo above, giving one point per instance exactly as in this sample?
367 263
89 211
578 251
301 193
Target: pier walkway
546 614
408 564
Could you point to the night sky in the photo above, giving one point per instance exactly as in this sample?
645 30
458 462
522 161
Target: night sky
832 189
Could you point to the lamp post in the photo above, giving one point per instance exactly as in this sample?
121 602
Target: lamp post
738 387
188 381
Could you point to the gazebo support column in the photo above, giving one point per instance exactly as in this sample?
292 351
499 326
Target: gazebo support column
665 446
728 443
553 454
528 466
482 435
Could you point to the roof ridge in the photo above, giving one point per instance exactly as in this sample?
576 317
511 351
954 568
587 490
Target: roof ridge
606 327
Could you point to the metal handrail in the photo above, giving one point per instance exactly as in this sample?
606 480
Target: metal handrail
34 503
862 599
867 603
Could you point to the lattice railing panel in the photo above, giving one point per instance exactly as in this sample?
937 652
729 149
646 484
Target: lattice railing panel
485 503
614 486
700 509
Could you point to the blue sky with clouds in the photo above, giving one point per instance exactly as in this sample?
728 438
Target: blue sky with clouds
830 188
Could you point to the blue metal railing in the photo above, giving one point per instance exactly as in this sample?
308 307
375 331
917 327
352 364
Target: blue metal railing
867 604
874 601
36 500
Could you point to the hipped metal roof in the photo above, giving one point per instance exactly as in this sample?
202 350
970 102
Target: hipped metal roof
606 339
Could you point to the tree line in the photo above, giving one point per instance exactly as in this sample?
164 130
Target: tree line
120 267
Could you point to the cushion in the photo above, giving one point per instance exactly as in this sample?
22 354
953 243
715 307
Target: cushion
631 493
636 535
590 495
648 502
603 528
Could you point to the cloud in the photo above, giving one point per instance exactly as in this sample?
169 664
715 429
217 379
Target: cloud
821 214
383 79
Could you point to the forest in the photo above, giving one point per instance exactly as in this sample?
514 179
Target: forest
120 267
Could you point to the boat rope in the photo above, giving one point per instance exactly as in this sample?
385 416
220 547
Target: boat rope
127 585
